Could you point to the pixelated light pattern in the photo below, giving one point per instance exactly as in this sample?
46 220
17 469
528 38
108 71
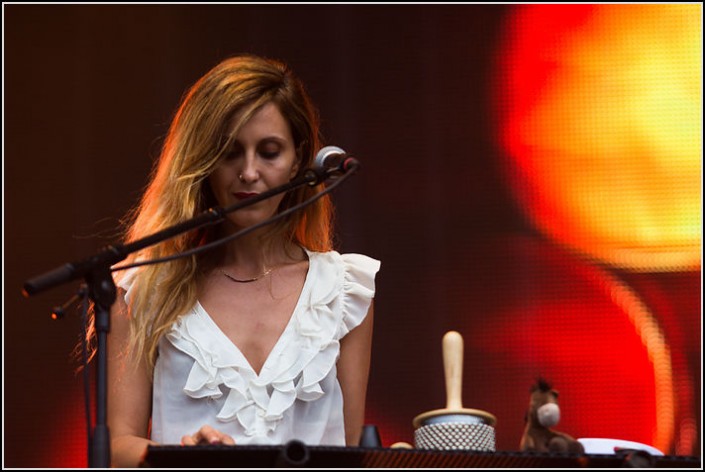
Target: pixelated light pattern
600 116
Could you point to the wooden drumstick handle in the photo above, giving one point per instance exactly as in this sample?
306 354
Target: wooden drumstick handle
453 366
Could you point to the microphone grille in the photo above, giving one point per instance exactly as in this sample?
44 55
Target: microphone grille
329 156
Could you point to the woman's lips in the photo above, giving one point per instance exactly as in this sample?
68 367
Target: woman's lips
245 195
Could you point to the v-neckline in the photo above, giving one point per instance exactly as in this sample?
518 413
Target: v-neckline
280 342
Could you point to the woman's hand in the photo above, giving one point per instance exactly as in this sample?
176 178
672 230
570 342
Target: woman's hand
207 435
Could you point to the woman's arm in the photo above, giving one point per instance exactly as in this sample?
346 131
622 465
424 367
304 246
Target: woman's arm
129 394
353 373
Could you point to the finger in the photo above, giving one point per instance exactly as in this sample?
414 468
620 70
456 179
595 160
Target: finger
199 437
227 440
187 441
212 437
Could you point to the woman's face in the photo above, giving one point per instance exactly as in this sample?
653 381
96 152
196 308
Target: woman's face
262 156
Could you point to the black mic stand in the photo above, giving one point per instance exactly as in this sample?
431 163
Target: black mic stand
96 271
102 290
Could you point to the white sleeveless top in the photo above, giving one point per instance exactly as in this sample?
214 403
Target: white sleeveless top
201 377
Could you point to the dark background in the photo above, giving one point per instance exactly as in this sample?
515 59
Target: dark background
89 91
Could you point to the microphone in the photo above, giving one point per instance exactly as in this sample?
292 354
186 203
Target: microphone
332 161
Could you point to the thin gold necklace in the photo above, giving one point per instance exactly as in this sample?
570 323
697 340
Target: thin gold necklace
247 281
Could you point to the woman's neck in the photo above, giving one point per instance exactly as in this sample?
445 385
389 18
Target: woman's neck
256 254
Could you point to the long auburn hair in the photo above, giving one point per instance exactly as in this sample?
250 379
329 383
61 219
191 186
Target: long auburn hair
198 137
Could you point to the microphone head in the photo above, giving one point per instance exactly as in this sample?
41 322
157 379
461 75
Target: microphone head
331 162
329 158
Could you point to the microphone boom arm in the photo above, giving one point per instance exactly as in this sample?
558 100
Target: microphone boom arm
115 253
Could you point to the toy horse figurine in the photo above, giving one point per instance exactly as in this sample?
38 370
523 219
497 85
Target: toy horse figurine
544 413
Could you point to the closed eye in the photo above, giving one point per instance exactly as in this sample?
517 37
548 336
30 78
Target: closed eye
270 154
269 149
233 153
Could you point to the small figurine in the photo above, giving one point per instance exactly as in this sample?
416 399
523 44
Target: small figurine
542 415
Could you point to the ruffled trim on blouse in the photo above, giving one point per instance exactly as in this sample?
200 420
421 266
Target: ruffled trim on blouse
335 299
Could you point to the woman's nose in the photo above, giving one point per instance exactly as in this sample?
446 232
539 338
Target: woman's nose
249 172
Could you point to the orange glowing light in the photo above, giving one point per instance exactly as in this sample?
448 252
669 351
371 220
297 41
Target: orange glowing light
600 116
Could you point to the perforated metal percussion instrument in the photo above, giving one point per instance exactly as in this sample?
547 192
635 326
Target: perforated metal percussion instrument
454 427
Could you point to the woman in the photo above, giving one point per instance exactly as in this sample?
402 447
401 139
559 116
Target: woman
259 341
